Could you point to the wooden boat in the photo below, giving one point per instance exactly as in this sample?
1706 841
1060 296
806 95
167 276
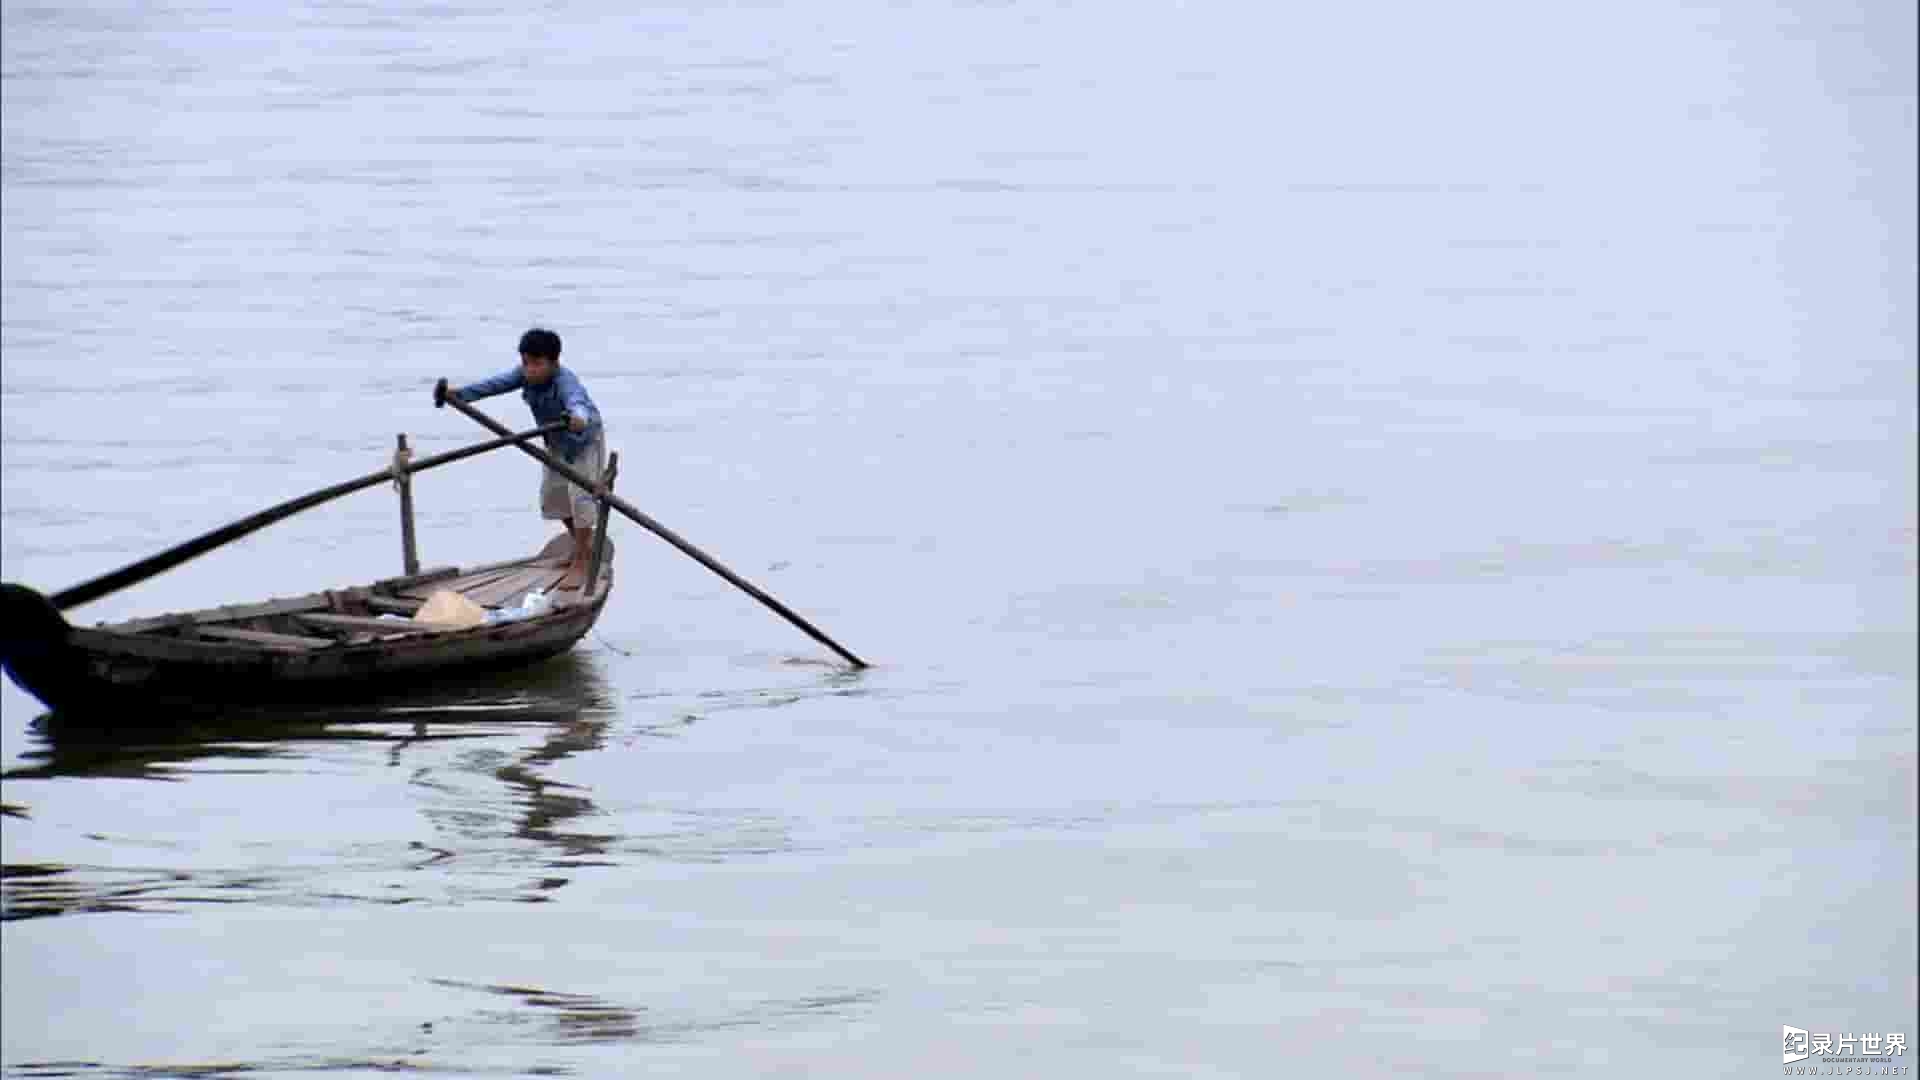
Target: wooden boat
336 642
323 645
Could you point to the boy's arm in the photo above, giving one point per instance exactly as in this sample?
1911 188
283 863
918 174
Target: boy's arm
580 410
498 384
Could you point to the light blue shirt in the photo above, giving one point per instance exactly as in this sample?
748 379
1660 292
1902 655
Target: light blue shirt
559 398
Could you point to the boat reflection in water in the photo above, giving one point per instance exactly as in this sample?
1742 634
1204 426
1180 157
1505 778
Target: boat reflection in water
460 744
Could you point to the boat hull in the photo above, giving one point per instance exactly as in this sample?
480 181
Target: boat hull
130 667
97 670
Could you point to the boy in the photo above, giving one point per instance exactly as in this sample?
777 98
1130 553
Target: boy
555 393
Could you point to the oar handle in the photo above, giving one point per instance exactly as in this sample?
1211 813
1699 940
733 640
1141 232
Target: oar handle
441 396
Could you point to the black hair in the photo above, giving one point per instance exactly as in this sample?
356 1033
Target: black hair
538 342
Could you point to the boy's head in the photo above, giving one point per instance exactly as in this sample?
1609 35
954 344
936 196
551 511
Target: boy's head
539 355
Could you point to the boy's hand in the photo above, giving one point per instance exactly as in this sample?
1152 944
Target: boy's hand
575 424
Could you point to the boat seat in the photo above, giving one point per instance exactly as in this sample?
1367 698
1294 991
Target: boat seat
294 642
394 605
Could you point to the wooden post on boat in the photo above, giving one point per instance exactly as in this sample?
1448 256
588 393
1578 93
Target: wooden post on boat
403 482
600 527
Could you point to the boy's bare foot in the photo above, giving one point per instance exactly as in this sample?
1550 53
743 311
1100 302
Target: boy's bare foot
576 576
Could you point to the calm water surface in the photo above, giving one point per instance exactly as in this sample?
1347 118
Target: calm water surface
1388 535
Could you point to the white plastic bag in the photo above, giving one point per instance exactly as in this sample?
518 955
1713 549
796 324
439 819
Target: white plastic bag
534 603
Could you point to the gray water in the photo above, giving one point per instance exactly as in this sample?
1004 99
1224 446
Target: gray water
1387 535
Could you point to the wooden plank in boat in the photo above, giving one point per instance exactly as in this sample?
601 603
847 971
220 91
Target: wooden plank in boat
365 624
469 582
510 590
462 583
495 593
394 605
555 554
229 613
293 642
193 650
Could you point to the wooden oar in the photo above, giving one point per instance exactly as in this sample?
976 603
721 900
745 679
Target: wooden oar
442 396
135 573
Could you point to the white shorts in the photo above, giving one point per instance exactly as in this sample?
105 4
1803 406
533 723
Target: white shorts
563 500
